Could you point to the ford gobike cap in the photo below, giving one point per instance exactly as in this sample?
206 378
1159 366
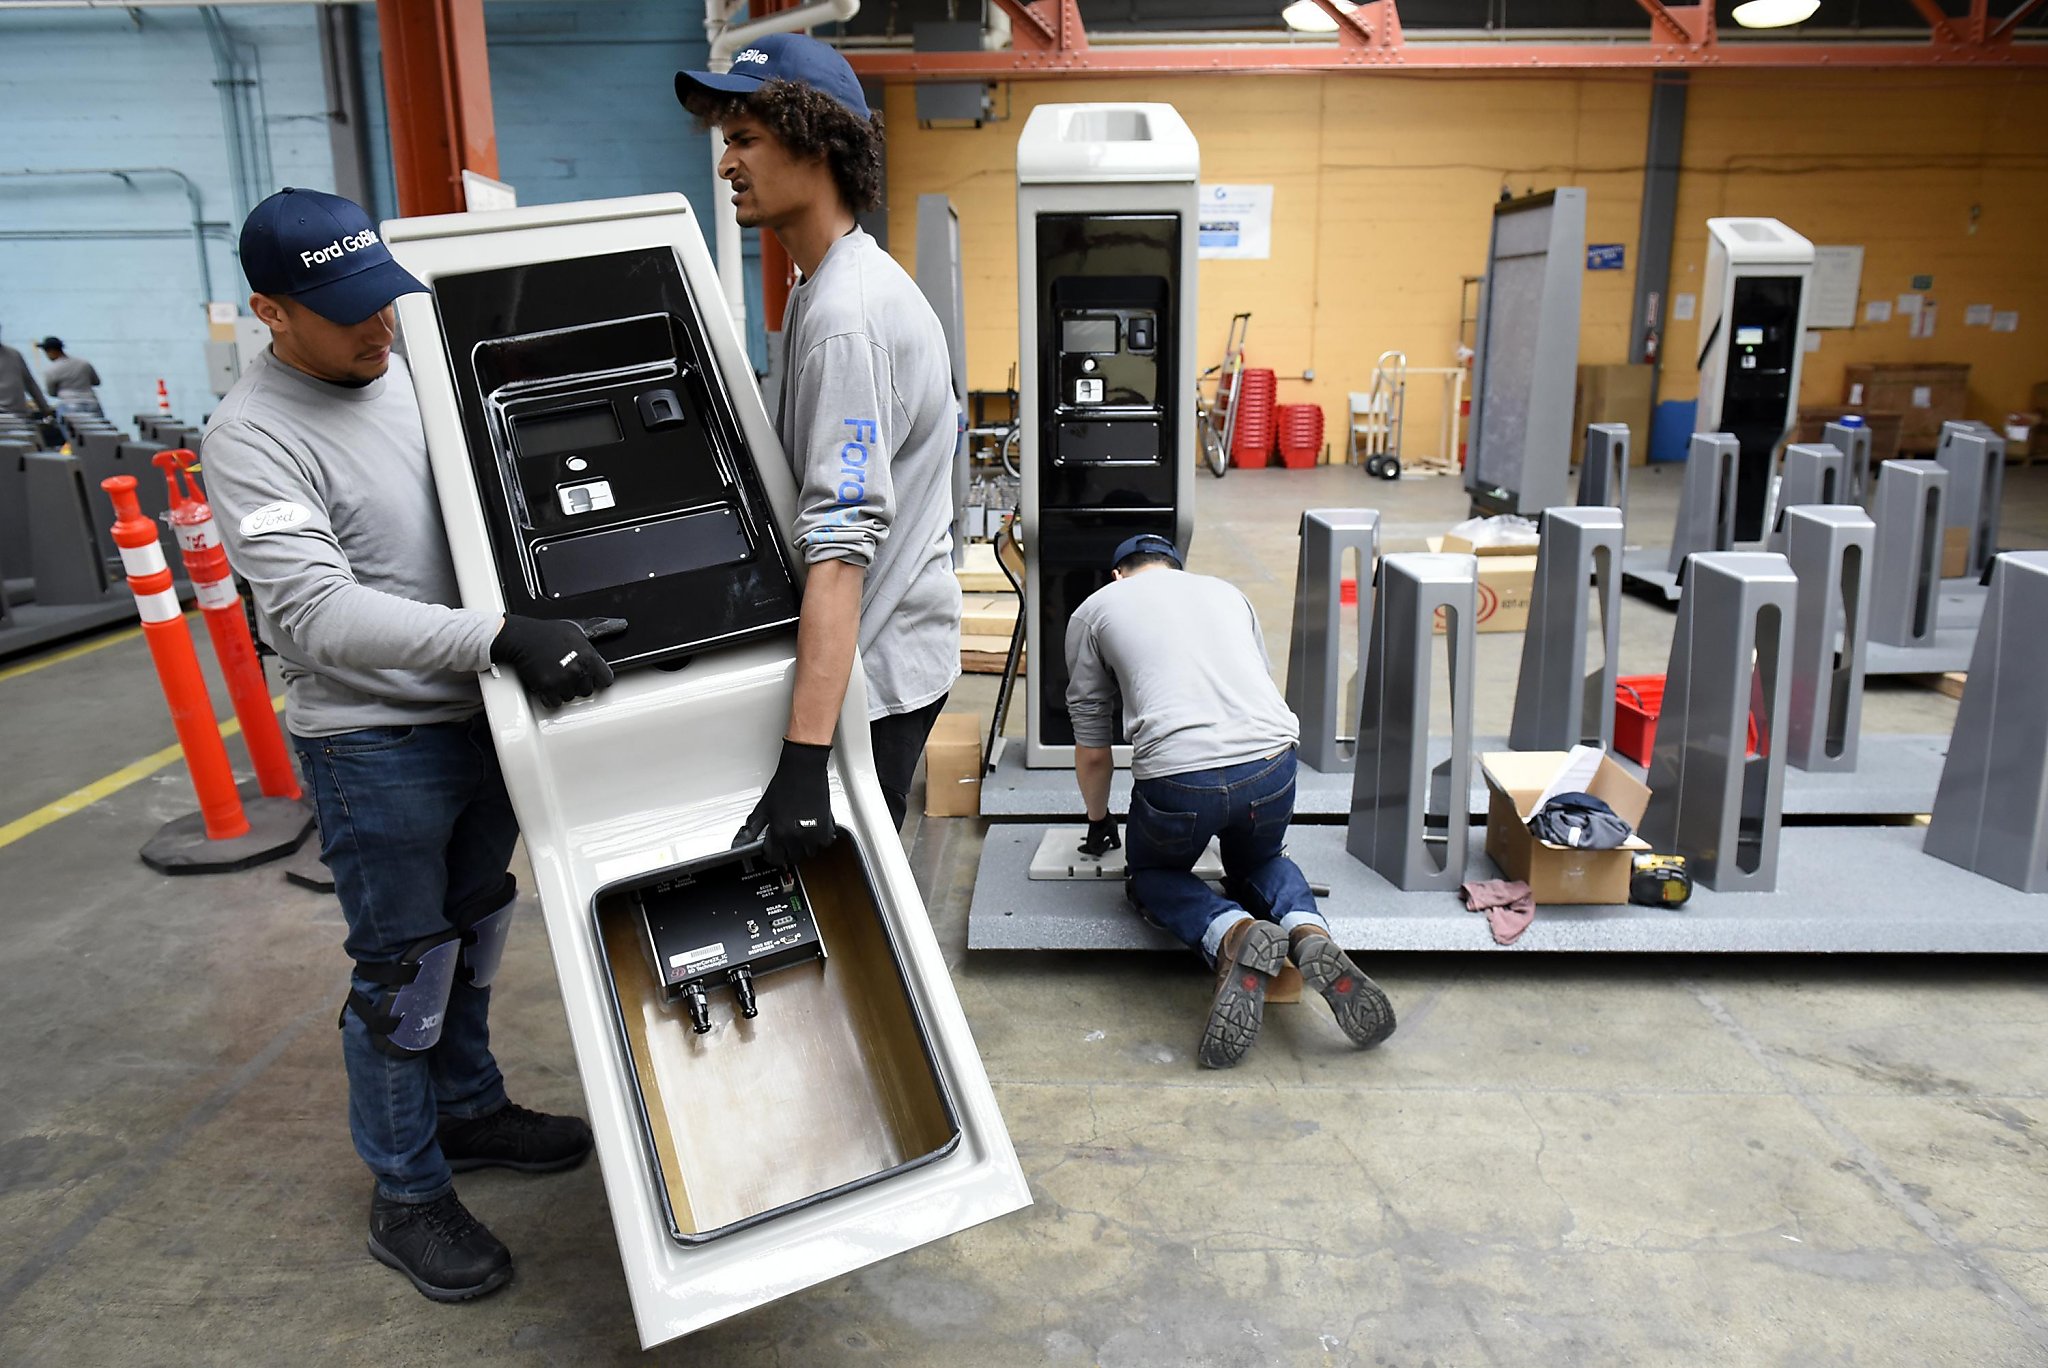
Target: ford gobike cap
323 251
1146 543
794 57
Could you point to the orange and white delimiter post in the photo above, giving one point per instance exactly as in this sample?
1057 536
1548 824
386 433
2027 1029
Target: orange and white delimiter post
213 584
177 663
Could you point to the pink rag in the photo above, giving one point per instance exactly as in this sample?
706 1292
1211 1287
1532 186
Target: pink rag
1508 905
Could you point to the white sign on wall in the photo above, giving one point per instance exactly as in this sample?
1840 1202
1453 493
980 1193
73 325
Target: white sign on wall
1236 222
1837 279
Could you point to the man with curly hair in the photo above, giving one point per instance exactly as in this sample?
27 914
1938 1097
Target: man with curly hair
867 416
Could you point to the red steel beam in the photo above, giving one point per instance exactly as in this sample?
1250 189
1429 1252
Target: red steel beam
1045 26
437 85
1944 32
1194 59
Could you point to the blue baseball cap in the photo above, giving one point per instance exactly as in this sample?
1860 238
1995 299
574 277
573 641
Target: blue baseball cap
1146 543
781 57
323 251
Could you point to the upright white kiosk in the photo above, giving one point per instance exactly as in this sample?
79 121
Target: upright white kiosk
1106 237
777 1069
1752 320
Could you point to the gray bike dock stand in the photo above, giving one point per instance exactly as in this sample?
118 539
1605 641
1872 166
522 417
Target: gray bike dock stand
1706 517
1559 705
1991 812
72 591
1813 474
1853 441
1710 801
1974 457
1603 467
1409 819
1915 628
1830 549
1315 693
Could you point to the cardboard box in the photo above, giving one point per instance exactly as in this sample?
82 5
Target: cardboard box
1515 781
952 766
1928 395
1614 394
1507 580
988 615
1955 552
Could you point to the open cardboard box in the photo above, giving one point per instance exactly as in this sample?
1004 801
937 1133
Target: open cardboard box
1507 583
1516 782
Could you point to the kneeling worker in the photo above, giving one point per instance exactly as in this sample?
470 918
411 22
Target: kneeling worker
1212 755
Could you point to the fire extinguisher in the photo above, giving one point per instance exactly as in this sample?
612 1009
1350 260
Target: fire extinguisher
1650 346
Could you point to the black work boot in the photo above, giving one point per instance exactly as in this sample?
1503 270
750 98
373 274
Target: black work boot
1251 953
1360 1006
513 1137
445 1251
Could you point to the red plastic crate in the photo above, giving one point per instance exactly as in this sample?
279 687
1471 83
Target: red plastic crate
1638 699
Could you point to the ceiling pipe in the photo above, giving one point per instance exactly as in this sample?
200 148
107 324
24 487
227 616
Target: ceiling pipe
122 173
727 39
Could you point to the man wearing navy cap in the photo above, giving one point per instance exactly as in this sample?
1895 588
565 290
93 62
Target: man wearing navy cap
868 419
1212 756
316 466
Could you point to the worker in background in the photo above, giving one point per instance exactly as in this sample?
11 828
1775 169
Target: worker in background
19 393
1212 755
868 420
70 381
317 469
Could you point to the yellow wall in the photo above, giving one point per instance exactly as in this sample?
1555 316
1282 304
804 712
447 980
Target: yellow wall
1382 185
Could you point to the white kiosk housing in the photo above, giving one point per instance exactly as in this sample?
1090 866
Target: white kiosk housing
600 448
1752 321
1106 237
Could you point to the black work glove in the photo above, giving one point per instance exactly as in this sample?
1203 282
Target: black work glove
794 816
552 658
1102 837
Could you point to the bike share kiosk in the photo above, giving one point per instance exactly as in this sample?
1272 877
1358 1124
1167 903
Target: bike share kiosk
778 1073
1106 235
1752 320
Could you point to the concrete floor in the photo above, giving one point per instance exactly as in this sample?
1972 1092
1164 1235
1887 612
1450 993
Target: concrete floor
1556 1160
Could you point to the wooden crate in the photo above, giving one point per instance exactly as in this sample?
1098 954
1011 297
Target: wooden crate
1926 395
1884 428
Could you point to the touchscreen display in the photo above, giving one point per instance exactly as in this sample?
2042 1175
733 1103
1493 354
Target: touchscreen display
1088 335
565 430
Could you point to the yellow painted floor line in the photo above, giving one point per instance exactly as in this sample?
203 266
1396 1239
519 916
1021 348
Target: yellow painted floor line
43 662
79 799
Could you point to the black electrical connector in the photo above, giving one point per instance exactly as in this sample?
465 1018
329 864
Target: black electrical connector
699 1004
742 980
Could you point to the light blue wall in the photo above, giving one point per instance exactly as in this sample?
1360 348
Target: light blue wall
109 265
584 106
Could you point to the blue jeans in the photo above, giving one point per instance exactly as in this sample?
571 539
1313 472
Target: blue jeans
414 821
1172 821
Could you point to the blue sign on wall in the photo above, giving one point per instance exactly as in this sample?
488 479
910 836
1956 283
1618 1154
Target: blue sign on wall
1603 256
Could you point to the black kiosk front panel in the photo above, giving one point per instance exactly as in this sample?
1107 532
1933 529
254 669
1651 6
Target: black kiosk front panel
615 479
1763 319
1109 345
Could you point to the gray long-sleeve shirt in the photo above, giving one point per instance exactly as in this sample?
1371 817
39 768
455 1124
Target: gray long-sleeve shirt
70 377
868 419
1186 653
18 390
326 503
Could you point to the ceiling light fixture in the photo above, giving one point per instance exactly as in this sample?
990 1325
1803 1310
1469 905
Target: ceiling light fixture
1774 13
1306 16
